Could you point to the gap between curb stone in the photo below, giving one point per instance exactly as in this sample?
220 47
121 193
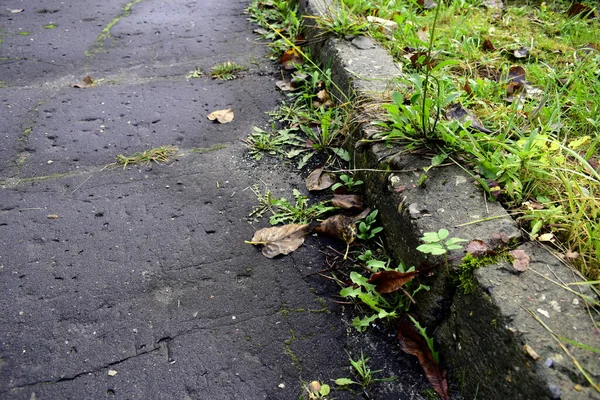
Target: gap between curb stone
482 334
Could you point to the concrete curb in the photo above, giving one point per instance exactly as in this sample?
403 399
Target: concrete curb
486 336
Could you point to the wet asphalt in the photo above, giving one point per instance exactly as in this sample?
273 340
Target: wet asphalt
135 283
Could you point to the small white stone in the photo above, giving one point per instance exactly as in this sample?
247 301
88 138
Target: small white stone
544 312
281 386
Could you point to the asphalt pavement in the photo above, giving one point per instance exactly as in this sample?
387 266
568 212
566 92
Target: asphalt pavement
135 282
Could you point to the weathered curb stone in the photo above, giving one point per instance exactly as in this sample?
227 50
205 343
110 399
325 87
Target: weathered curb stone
486 336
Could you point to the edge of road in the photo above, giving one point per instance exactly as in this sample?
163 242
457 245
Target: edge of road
500 339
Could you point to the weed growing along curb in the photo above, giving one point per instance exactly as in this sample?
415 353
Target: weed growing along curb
512 96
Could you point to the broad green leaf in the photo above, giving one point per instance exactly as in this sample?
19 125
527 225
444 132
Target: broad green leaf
430 237
443 234
325 390
342 153
344 382
350 291
398 98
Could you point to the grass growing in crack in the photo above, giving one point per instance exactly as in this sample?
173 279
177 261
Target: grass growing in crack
158 155
364 376
226 71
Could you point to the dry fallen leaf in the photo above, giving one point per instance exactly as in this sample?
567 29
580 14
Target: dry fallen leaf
86 82
322 99
319 180
487 45
414 344
339 226
280 239
580 9
285 86
458 112
222 116
390 281
520 259
290 59
530 352
477 248
52 216
347 201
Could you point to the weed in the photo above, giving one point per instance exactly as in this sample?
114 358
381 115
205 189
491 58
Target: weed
273 143
348 182
160 154
428 339
299 213
196 73
366 230
384 306
226 71
438 243
541 145
362 373
341 21
50 26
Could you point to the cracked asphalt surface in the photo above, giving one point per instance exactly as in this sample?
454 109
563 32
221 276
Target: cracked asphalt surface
139 284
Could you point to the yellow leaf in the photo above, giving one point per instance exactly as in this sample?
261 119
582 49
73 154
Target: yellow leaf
222 116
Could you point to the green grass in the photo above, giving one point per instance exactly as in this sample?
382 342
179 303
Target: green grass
540 157
159 154
226 71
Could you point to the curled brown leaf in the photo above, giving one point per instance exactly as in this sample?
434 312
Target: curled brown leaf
319 180
280 239
414 344
390 281
347 201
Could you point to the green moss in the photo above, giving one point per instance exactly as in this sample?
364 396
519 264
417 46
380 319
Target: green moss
44 177
290 353
468 266
24 33
50 26
202 150
105 33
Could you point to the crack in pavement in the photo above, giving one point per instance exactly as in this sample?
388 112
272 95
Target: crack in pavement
80 374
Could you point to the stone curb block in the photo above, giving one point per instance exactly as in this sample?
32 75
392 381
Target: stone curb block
489 339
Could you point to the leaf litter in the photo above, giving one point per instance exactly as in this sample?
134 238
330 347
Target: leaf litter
280 240
221 116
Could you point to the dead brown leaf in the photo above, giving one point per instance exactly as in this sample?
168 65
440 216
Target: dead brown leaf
319 180
285 86
390 281
414 344
85 83
280 239
487 45
520 260
339 226
458 112
347 201
290 59
222 116
477 248
322 99
580 9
